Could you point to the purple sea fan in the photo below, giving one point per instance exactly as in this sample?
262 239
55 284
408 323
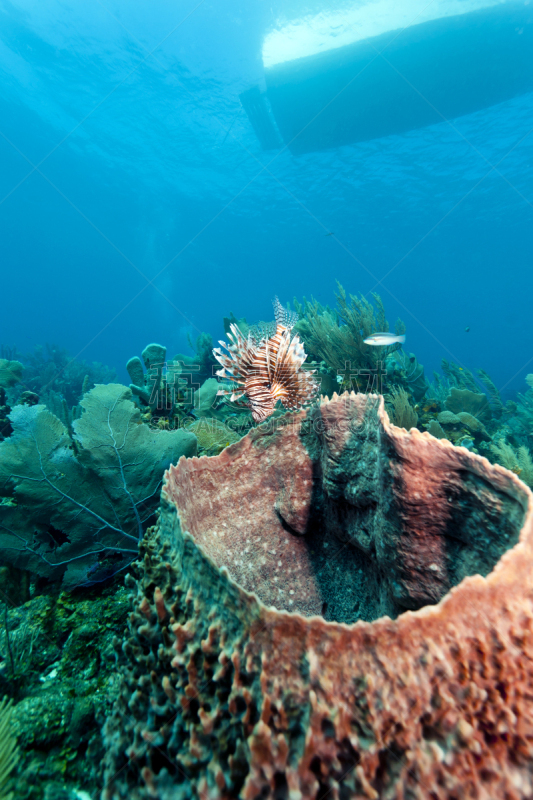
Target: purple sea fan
268 369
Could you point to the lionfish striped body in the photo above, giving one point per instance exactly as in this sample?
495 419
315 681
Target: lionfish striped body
267 369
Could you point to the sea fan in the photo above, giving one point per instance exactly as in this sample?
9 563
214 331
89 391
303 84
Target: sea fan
268 369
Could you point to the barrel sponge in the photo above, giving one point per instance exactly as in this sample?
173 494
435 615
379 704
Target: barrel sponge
227 693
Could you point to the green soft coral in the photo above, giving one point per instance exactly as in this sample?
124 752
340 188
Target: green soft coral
337 337
518 460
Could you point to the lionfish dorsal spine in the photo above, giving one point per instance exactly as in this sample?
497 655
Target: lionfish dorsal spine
283 316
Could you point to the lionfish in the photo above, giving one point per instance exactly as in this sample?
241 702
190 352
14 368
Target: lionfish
267 368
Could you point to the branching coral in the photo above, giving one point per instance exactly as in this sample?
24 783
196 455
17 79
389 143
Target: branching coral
517 460
337 337
495 400
403 413
438 390
524 412
458 376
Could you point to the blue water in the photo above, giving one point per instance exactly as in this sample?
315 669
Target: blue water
137 205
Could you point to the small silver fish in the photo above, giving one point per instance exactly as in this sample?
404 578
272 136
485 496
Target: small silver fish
382 339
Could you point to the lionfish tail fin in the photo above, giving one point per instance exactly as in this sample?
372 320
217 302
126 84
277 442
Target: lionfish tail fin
284 316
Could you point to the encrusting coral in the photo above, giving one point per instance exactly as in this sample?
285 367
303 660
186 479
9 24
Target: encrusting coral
455 426
212 435
226 695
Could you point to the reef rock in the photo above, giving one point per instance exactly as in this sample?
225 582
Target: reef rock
225 694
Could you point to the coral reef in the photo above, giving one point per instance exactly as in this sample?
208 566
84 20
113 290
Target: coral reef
170 393
10 373
435 429
51 368
212 436
403 414
73 508
64 683
150 388
459 376
202 365
241 324
404 369
518 461
495 400
337 337
5 410
335 341
521 419
457 426
225 696
486 406
474 403
329 607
